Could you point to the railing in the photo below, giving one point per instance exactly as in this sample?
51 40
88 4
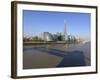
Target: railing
41 43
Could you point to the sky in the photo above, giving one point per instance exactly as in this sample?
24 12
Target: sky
35 22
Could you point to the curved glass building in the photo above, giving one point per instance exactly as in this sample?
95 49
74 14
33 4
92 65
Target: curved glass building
48 37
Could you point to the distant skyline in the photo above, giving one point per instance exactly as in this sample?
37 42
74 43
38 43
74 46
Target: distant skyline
35 22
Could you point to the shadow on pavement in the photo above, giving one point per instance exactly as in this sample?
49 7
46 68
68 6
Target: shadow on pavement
70 59
75 58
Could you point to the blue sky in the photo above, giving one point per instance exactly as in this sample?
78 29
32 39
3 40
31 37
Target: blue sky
36 22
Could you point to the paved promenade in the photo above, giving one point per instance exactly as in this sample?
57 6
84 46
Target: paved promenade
49 56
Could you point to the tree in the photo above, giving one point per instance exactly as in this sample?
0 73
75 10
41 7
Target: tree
25 39
59 38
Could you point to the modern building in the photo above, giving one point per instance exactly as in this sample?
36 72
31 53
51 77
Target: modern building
65 34
46 36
